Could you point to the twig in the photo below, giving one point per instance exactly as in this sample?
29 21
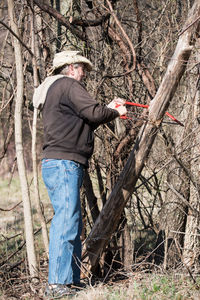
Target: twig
187 268
9 209
189 26
180 232
10 237
182 198
11 31
124 34
20 247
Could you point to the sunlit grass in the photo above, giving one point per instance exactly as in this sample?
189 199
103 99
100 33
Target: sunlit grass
144 287
11 214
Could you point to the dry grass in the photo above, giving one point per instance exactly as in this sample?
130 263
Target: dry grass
144 287
16 284
139 286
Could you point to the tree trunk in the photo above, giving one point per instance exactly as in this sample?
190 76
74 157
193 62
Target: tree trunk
34 153
127 248
19 146
111 212
91 198
173 213
192 240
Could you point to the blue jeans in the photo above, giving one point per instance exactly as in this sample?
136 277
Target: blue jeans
63 180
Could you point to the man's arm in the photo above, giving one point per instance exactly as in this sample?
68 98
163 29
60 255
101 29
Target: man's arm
89 109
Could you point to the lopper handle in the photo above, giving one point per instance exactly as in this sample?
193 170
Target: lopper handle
147 106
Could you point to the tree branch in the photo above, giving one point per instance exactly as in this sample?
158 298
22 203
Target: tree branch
63 21
15 35
90 23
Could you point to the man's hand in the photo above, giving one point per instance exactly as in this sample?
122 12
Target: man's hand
118 104
121 110
115 102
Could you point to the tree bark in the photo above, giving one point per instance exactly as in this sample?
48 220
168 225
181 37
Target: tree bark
91 198
111 212
19 146
173 213
34 153
192 240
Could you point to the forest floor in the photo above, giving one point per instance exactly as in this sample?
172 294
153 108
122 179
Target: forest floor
147 283
138 286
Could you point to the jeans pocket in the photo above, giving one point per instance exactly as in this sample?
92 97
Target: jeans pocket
50 174
71 165
74 170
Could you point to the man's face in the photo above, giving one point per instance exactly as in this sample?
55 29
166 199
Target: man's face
79 72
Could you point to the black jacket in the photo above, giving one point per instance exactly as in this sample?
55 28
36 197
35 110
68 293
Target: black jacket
70 116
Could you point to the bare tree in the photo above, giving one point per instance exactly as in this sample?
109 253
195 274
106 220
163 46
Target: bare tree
111 212
34 136
191 251
19 145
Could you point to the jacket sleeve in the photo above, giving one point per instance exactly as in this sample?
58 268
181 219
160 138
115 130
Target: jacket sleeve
87 108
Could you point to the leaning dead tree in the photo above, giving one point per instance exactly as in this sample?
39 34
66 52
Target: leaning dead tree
110 215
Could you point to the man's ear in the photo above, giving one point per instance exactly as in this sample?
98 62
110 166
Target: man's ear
71 69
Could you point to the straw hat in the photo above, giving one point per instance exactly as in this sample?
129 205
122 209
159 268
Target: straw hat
70 57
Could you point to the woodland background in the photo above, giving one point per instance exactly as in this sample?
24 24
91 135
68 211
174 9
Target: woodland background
140 197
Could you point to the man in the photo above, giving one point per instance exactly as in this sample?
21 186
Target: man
70 115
